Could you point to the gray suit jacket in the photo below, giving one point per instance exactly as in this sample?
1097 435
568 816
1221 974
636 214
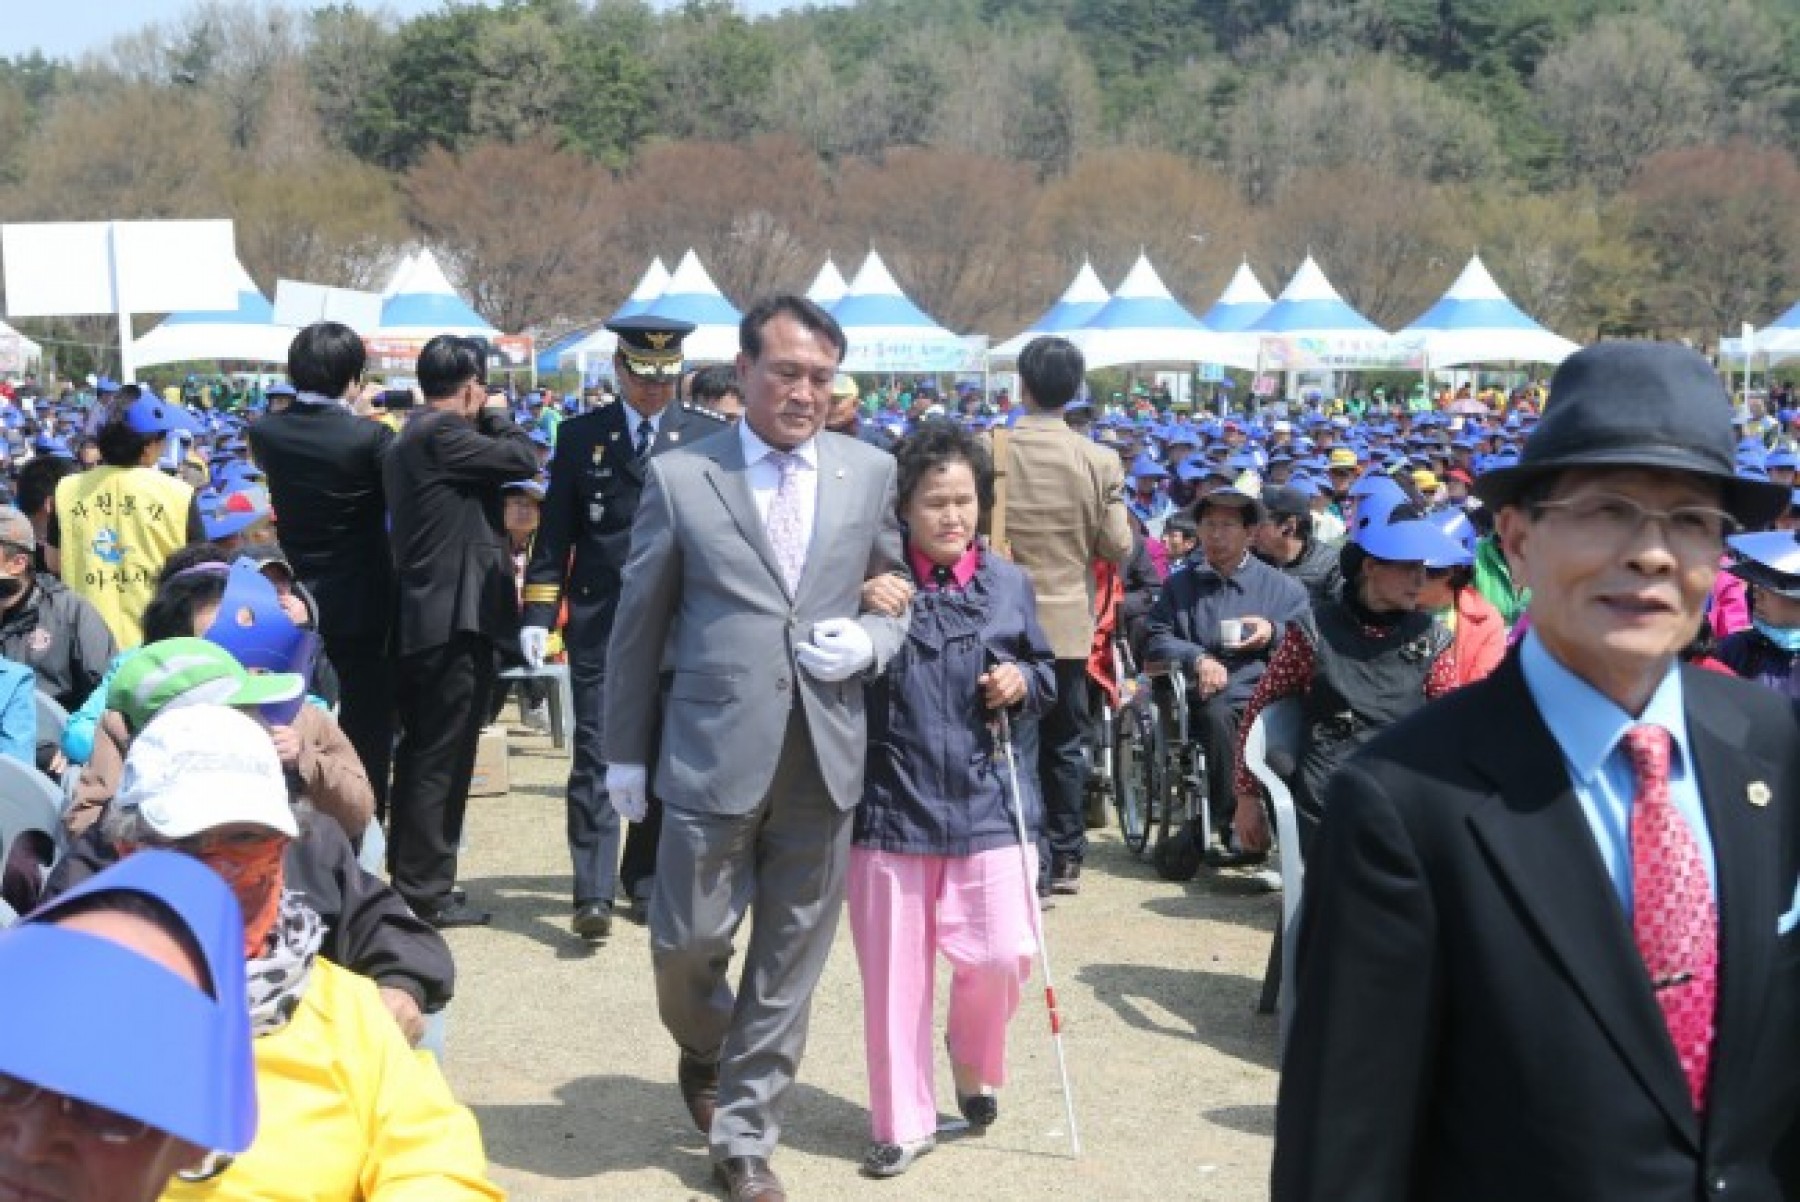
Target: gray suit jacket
702 581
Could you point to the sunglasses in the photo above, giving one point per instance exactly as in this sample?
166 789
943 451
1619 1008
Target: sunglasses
108 1126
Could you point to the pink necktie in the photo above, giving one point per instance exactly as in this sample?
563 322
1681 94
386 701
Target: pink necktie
1674 920
785 526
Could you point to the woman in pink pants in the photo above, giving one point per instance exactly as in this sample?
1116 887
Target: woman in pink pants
936 865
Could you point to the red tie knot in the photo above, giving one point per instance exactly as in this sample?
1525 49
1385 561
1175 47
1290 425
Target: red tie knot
1648 747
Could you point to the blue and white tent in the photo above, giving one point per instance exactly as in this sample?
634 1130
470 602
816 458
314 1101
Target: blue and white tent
1144 324
549 358
1474 322
1309 307
423 304
652 284
887 332
692 296
828 287
1777 342
246 332
1084 297
1241 305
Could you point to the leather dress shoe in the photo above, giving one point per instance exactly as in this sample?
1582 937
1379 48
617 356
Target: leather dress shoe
749 1179
592 921
1065 877
699 1082
456 914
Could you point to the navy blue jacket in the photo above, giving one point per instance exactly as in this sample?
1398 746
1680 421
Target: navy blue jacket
1184 622
934 784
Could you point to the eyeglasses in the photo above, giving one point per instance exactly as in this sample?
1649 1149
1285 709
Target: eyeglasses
107 1126
1612 520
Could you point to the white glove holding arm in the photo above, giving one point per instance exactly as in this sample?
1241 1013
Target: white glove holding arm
534 643
840 648
628 788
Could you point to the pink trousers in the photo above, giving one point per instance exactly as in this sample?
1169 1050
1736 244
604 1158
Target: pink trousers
979 911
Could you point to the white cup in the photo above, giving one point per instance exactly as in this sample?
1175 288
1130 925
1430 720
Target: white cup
1231 631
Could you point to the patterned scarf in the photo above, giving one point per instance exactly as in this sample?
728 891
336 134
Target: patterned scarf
277 978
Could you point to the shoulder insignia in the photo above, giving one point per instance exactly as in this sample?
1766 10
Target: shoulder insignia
704 411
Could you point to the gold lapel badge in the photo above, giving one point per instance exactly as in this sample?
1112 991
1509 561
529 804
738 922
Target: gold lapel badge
1758 793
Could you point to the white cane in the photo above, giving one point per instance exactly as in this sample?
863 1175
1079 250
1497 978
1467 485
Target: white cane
1004 726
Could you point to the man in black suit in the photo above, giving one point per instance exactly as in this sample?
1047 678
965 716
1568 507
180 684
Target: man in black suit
1549 945
458 606
584 535
323 465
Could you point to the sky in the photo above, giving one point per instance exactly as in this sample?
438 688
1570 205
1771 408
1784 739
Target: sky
70 28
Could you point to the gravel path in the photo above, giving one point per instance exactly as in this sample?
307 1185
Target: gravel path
559 1051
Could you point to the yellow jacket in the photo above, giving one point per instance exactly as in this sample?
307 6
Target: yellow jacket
116 526
349 1113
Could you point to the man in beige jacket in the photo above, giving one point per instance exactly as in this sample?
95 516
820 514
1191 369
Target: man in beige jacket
1065 508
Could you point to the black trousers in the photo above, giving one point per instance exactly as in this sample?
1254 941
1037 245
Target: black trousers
443 702
1062 765
365 672
1214 724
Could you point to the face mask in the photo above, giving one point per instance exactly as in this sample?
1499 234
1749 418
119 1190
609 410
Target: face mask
11 586
255 874
1785 637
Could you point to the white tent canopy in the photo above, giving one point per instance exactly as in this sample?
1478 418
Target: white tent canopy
1143 324
887 332
421 303
1474 322
692 296
247 332
1084 297
828 287
652 284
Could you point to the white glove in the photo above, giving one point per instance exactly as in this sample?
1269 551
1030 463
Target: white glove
839 650
534 641
628 788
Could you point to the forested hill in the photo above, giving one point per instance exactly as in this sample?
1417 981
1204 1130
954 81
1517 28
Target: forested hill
1624 165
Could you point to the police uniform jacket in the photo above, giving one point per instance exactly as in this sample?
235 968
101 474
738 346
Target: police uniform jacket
584 532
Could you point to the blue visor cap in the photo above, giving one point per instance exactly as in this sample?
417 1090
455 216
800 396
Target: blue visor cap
147 415
109 1027
1412 541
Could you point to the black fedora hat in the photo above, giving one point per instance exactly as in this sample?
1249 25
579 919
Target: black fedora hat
1637 404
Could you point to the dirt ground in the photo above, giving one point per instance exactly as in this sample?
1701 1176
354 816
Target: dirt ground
558 1049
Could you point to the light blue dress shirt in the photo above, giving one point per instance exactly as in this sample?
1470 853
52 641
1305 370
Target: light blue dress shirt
1590 729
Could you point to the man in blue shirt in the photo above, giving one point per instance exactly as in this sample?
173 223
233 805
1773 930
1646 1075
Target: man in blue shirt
1548 944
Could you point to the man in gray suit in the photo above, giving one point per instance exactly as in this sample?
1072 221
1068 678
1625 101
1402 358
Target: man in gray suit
748 555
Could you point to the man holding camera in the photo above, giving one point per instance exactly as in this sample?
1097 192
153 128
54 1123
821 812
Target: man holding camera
458 604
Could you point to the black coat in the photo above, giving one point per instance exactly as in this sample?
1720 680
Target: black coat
368 928
324 468
584 533
443 480
1473 1020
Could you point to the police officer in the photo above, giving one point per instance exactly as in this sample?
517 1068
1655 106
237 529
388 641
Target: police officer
596 476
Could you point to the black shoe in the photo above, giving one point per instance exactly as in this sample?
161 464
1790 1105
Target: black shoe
593 921
699 1084
1065 877
749 1179
981 1110
456 914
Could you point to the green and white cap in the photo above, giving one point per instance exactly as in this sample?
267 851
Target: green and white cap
186 671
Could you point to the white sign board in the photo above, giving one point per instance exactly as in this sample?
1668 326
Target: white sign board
63 269
299 304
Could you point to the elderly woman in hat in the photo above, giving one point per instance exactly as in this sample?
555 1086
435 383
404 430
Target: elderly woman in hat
1359 662
935 865
348 1111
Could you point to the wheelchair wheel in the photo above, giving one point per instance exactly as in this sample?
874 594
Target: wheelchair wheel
1132 785
1177 855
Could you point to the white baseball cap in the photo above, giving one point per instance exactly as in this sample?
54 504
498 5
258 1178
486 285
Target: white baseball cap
204 766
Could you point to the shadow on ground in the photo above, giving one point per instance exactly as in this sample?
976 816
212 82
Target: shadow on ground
604 1125
1214 1009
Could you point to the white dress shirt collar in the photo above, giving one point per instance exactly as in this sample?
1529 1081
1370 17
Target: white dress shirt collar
756 450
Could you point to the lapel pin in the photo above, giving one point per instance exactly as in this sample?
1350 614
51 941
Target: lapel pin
674 435
614 436
1758 793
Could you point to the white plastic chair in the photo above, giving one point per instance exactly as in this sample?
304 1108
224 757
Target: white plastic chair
52 719
1271 749
29 802
562 698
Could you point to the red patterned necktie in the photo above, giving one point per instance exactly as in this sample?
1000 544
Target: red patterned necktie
1673 919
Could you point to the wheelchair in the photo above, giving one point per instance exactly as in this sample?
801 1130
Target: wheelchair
1160 772
1102 774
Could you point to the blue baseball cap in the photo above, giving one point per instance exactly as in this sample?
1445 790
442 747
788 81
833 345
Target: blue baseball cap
104 1025
148 415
